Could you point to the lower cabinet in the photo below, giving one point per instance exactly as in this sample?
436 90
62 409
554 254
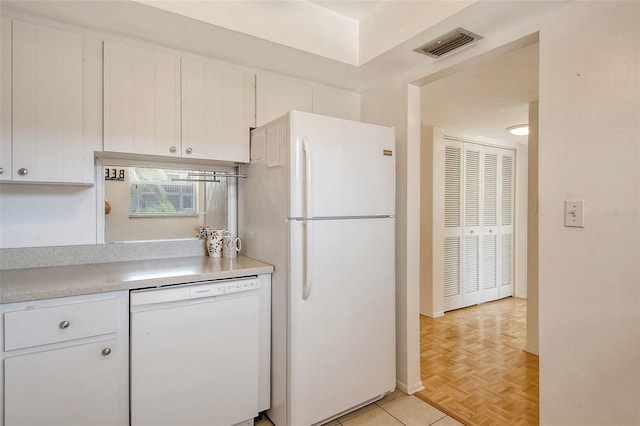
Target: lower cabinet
74 380
66 361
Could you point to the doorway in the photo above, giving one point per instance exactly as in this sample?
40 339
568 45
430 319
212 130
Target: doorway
480 102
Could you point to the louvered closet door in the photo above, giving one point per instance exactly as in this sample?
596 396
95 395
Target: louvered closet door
490 230
507 198
472 213
452 243
477 247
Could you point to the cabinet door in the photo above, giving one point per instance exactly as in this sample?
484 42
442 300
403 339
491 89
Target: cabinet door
80 385
48 142
275 97
141 100
217 111
5 97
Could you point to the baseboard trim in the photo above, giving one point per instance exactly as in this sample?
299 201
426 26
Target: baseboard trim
531 349
410 390
433 314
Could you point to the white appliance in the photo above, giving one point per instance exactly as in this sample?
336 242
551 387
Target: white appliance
319 203
195 354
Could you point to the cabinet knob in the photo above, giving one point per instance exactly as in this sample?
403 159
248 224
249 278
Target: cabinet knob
1 170
22 171
188 150
472 232
64 325
172 149
106 351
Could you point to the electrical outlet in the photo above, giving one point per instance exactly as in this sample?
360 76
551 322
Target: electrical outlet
574 213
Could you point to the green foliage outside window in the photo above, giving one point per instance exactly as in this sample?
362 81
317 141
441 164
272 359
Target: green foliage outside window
154 192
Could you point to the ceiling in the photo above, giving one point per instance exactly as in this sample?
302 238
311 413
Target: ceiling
350 32
458 102
356 45
485 99
351 9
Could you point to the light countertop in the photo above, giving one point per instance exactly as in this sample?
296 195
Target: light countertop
18 285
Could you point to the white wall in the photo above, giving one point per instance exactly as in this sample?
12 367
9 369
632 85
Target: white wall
532 233
521 287
399 106
429 302
590 278
47 215
589 148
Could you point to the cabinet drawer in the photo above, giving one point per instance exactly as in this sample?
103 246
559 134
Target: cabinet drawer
51 324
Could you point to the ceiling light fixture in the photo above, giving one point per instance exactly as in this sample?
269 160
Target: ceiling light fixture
519 130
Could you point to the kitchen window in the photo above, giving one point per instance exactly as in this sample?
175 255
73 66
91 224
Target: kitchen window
154 192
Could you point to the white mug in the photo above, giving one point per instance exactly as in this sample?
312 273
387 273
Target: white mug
215 242
230 246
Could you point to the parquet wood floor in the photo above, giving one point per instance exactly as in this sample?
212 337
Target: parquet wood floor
473 366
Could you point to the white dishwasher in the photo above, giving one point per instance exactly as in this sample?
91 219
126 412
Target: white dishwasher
195 354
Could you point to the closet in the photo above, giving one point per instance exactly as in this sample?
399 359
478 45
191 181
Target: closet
474 186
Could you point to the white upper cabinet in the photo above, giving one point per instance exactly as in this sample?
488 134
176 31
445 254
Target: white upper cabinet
158 103
5 98
46 111
276 97
218 110
141 101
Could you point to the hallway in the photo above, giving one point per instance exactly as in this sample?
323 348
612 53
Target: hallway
473 366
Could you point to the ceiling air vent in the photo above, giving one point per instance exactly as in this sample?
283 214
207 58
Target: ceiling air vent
448 43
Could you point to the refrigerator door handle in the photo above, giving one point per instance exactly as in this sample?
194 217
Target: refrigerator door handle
308 256
308 212
306 149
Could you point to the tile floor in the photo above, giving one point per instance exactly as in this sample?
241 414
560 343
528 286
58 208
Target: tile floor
395 409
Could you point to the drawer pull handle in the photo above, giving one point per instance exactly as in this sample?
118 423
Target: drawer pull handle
106 351
65 324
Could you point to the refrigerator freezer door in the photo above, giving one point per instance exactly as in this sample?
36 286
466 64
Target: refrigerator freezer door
340 168
342 316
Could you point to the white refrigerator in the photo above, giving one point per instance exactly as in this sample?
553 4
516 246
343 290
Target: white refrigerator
319 204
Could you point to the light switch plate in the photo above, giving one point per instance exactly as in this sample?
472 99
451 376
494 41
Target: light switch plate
574 213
